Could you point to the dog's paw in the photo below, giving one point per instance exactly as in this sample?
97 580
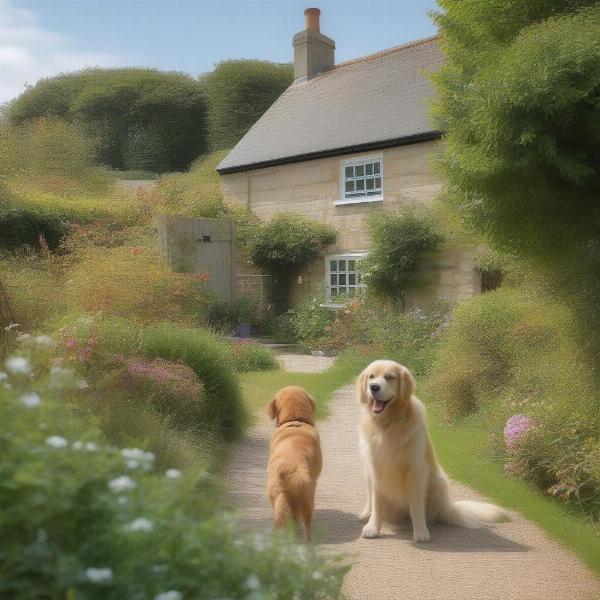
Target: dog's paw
365 513
370 531
421 536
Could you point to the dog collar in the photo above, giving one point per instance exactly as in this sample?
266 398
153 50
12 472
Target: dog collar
294 423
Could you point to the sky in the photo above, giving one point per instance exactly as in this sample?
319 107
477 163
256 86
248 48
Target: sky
40 38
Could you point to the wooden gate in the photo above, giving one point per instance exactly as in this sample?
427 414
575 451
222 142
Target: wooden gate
201 246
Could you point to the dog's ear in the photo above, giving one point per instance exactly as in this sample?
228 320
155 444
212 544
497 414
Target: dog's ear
272 408
312 402
361 387
407 385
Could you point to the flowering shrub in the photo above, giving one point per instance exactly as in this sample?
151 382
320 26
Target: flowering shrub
250 356
516 427
82 518
212 362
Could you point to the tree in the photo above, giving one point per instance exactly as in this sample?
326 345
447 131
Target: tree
238 93
519 101
138 118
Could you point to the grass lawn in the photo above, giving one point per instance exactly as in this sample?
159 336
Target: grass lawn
463 452
259 388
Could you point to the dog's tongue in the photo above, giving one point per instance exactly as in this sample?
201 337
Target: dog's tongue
378 406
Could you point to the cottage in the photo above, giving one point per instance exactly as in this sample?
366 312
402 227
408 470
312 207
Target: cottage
344 140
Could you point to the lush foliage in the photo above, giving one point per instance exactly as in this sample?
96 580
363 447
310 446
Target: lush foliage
134 281
509 356
238 93
399 242
212 362
84 518
138 118
289 241
519 104
251 356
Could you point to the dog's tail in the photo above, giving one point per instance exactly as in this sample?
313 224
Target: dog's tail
466 513
294 484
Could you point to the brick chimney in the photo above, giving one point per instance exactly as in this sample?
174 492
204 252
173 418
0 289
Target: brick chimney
313 51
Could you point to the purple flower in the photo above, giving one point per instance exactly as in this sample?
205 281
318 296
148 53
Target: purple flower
516 427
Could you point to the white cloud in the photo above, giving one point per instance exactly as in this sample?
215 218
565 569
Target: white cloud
28 51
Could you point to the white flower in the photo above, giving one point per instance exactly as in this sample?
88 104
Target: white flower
31 400
122 500
96 575
78 445
60 378
3 376
44 340
22 337
136 457
317 575
170 595
173 473
83 384
121 484
91 447
57 441
18 365
252 582
7 386
140 524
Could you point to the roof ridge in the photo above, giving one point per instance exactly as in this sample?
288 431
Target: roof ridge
385 52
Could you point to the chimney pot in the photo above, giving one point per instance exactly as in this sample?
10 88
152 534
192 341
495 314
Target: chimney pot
312 19
313 51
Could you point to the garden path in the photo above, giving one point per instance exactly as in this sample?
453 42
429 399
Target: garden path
509 561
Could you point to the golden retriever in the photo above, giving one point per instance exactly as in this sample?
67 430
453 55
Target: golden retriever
402 474
295 459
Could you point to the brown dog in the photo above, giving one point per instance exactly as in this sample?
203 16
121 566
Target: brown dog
295 459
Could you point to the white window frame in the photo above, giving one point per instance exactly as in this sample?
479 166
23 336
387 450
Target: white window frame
353 162
358 255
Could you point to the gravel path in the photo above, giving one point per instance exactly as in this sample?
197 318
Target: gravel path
509 561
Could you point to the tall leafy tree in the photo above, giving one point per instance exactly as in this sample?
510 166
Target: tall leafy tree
520 102
138 118
238 93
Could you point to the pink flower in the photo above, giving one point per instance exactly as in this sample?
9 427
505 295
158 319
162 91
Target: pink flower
516 427
71 343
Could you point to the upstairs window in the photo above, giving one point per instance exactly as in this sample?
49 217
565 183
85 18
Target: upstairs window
362 179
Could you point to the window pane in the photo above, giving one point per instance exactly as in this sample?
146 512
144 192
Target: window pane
349 172
376 167
333 279
360 184
351 265
370 184
349 186
359 171
369 169
342 265
378 182
333 266
352 279
342 279
334 292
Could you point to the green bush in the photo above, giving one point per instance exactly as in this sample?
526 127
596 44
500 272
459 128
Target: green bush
81 518
21 226
399 242
212 362
250 356
238 93
511 352
310 320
